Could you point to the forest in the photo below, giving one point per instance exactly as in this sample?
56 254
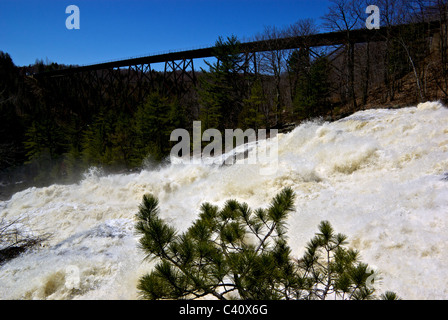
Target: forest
54 132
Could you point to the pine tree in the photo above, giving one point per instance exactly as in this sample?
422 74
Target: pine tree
221 91
96 142
155 120
12 127
251 115
240 253
123 142
313 88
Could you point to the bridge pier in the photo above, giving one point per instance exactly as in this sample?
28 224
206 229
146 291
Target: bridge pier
177 74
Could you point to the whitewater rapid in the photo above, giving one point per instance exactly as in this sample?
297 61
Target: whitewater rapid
379 176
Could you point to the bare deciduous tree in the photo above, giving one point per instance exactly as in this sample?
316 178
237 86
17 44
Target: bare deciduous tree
273 63
343 16
16 238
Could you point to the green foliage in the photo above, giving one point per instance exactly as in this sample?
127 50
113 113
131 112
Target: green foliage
312 86
44 135
109 141
120 139
97 140
221 89
45 143
251 115
12 127
155 120
240 253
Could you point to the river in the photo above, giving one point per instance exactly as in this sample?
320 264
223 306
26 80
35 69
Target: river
379 176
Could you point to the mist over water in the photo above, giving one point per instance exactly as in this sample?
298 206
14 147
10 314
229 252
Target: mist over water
379 176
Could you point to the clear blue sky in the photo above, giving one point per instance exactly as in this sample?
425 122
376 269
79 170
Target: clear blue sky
117 29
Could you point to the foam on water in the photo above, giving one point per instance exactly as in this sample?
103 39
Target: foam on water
379 176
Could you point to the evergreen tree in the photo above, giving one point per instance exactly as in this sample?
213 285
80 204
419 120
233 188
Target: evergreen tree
96 141
313 88
155 120
221 89
251 115
123 142
298 63
240 253
45 142
12 130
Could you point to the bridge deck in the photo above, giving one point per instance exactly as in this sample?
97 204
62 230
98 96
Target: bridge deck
315 40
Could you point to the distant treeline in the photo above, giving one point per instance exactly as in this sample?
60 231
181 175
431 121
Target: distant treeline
54 132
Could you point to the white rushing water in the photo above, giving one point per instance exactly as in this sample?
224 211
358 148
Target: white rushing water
379 176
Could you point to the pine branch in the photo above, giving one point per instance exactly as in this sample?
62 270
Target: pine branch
212 258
